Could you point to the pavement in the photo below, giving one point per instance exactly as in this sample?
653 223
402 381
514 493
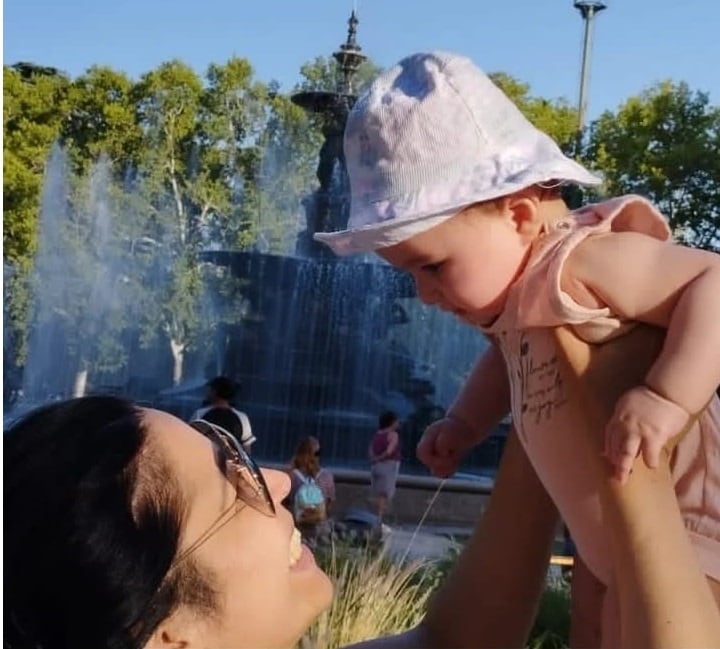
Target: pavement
432 542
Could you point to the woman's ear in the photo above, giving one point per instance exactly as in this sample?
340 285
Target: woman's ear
161 639
179 631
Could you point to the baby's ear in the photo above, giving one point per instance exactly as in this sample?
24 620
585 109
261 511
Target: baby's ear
524 210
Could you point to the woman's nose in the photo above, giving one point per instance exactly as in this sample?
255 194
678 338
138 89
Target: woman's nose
278 483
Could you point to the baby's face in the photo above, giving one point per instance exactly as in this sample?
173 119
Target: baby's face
466 264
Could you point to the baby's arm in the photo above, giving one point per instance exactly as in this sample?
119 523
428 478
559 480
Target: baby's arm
670 286
482 403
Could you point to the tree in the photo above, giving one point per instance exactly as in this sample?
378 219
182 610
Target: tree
554 117
231 119
35 104
79 311
286 174
35 100
168 101
101 121
665 145
323 73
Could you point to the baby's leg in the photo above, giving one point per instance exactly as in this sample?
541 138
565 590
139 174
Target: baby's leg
715 590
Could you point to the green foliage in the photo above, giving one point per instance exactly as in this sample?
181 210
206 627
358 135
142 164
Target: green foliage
290 145
101 120
555 117
665 145
323 73
222 185
551 629
34 106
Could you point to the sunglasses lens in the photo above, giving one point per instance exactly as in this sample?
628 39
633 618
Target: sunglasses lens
249 481
252 488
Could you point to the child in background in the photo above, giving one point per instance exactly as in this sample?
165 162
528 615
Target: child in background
312 491
452 184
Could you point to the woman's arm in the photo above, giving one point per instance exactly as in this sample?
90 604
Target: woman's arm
664 598
393 441
491 596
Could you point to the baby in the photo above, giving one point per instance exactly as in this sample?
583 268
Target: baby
453 185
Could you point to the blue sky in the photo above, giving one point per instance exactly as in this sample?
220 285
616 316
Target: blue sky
637 42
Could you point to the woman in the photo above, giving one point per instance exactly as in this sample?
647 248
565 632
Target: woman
128 528
385 454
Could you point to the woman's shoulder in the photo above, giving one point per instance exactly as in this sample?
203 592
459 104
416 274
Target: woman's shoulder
325 476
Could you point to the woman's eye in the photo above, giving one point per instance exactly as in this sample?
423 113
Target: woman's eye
432 268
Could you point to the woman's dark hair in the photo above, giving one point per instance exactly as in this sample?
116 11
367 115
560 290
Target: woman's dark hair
387 418
93 519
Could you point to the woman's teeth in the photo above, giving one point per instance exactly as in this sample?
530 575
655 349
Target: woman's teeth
295 547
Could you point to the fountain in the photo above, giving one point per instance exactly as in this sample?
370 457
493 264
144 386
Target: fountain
86 286
324 349
328 208
322 345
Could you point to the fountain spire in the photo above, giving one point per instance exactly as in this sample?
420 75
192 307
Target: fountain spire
349 57
328 207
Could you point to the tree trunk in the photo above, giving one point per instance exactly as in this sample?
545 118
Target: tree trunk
80 383
178 354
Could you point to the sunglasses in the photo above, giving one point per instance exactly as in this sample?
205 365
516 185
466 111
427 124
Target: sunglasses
241 471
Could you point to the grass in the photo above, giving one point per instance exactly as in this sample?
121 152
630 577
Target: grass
552 624
376 596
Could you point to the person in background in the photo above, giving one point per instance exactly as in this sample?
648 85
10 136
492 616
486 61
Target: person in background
385 454
219 411
312 490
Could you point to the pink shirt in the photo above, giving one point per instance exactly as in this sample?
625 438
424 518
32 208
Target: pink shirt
535 304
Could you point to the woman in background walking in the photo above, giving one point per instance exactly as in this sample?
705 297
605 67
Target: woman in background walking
385 454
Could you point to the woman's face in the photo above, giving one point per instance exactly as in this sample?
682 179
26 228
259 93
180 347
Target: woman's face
267 596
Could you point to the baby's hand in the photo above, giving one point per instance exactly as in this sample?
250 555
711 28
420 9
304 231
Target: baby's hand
443 445
642 421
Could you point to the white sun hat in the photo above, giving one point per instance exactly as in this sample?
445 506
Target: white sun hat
431 136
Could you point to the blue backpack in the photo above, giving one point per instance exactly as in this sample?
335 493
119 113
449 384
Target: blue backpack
309 505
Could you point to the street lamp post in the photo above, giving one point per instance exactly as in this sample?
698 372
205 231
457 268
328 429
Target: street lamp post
588 10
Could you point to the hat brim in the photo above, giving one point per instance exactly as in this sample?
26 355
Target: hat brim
391 231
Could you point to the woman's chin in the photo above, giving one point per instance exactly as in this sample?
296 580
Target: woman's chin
322 587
